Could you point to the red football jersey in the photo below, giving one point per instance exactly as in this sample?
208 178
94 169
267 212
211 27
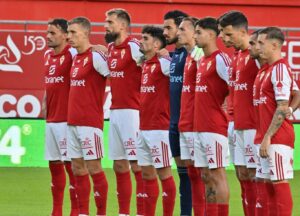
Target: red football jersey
256 100
210 92
186 120
57 83
231 72
88 80
276 85
246 71
125 74
155 97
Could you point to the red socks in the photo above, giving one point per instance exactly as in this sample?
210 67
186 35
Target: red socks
72 190
223 209
243 195
100 192
58 183
271 199
124 190
211 209
262 199
250 194
168 195
285 202
139 193
83 192
198 191
151 190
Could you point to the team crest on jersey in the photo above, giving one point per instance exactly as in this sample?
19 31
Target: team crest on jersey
62 59
123 53
54 60
85 61
247 59
153 68
208 65
78 61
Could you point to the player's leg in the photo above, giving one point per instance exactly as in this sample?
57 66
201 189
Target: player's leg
79 170
93 150
281 170
56 166
197 185
158 141
129 129
240 167
184 181
151 187
121 164
250 159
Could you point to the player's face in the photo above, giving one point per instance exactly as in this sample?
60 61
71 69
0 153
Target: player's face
231 36
201 36
77 35
185 33
253 47
147 44
112 26
170 31
55 36
222 36
264 47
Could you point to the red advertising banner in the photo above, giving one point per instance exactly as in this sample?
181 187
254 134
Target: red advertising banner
22 73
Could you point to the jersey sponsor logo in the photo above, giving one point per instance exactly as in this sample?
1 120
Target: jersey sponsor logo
198 77
240 86
117 74
201 88
61 60
75 71
58 79
113 63
186 88
147 89
78 82
172 67
176 79
90 152
52 69
145 79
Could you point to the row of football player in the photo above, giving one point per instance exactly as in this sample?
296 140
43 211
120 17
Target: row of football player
162 108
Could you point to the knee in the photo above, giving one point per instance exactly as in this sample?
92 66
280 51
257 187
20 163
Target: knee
243 174
148 173
205 176
121 166
164 173
79 168
134 166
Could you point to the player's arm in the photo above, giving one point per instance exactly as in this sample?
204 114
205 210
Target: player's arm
44 105
295 102
222 66
100 63
165 65
282 82
99 48
136 54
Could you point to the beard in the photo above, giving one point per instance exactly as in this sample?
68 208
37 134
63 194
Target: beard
172 41
111 37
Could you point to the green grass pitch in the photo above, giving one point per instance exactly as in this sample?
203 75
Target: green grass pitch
26 192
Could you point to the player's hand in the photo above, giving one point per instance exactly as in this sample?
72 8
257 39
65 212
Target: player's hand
288 112
163 52
197 53
99 48
265 144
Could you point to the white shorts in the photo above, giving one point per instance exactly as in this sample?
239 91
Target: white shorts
123 131
211 150
244 152
187 145
262 165
56 142
281 162
153 148
231 140
85 142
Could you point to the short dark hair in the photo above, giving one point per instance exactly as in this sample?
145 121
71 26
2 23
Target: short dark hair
155 32
120 13
256 33
192 20
208 23
176 15
83 21
273 33
60 23
235 18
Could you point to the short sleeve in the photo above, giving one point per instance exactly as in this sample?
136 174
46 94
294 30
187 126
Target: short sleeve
222 66
100 63
135 51
73 52
281 81
165 65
